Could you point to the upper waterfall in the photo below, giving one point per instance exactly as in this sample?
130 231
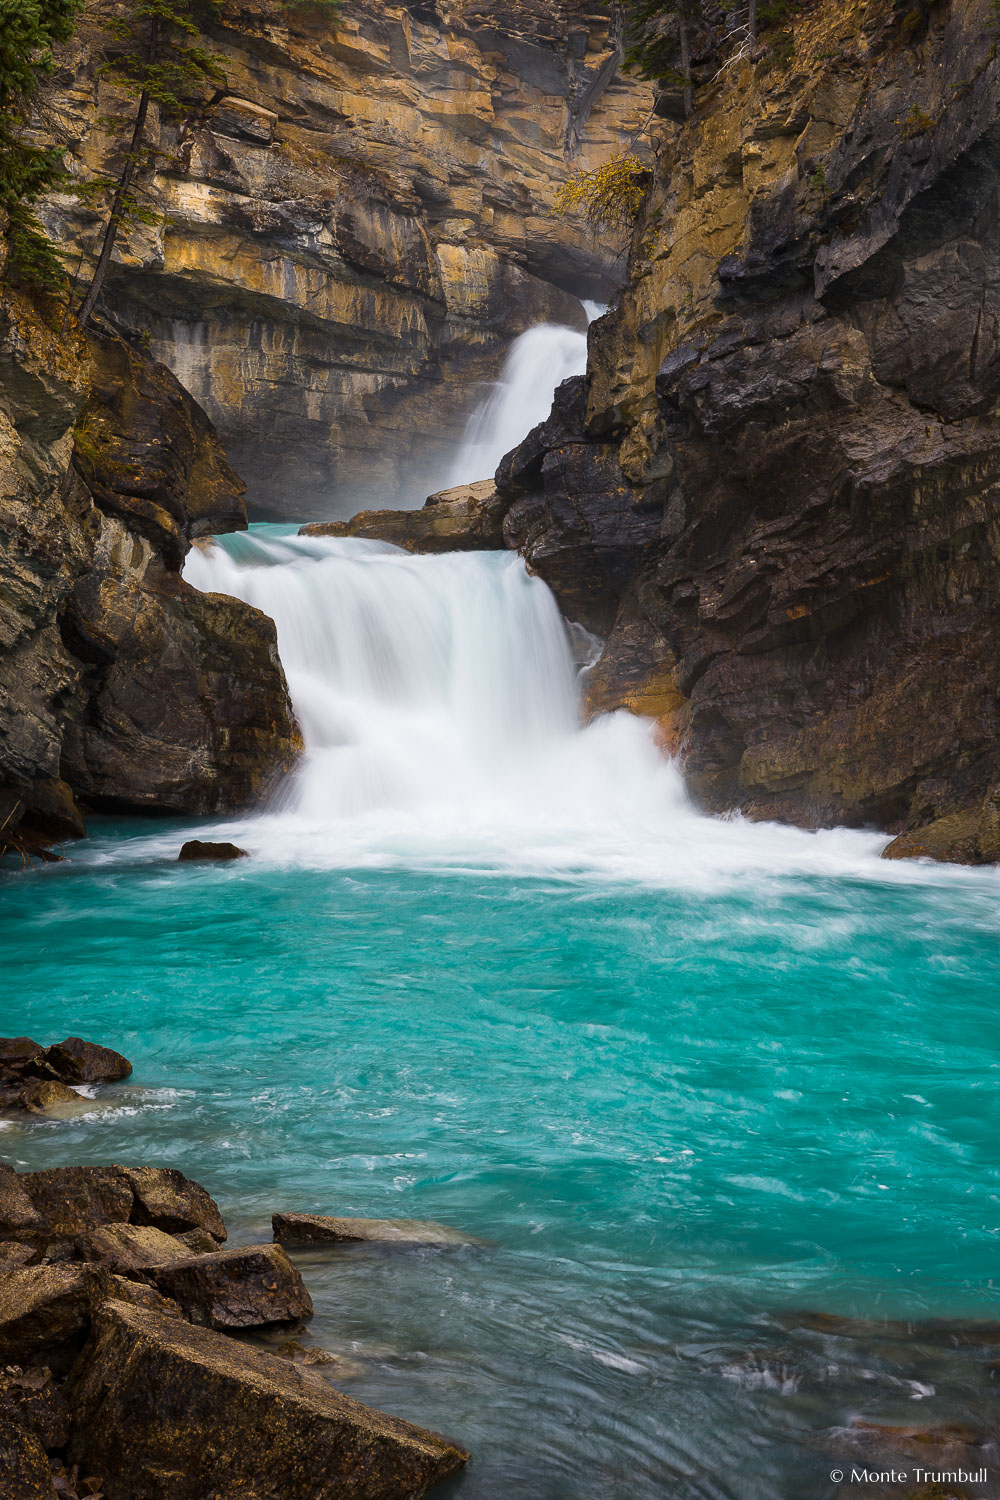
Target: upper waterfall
537 363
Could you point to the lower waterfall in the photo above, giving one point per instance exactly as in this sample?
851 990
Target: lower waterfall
440 708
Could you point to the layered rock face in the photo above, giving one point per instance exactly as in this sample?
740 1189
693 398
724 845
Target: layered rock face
777 490
356 227
119 684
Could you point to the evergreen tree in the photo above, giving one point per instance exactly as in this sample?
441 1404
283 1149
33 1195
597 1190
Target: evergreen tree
28 31
155 56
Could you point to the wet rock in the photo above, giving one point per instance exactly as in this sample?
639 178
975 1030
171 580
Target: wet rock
312 1229
31 1398
21 1057
69 1201
77 1061
468 518
207 1415
63 1203
168 1200
38 1096
45 1314
244 1287
334 1367
131 1247
195 849
24 1466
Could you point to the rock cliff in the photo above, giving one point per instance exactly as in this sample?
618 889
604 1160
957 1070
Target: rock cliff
776 491
355 227
119 684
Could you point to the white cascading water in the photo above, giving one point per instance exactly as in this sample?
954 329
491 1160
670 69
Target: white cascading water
539 360
439 706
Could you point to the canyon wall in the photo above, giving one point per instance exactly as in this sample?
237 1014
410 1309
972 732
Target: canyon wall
354 228
121 687
776 491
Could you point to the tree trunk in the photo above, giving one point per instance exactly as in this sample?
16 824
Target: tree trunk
752 24
111 232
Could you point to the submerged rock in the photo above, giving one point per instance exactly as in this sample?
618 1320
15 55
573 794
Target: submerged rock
245 1287
313 1229
206 1415
195 849
468 518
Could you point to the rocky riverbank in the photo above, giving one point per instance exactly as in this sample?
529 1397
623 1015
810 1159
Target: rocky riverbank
121 1373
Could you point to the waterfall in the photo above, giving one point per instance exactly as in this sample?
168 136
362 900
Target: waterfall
538 362
439 705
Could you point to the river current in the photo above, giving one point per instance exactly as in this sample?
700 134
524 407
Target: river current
699 1088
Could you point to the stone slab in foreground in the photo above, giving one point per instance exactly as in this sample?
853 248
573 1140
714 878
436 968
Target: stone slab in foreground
318 1229
203 1415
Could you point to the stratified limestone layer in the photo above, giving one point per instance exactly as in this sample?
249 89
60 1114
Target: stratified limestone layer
351 237
200 1415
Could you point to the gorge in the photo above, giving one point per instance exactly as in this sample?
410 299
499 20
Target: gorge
564 920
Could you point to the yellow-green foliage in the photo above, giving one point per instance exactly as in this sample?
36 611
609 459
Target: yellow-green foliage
611 195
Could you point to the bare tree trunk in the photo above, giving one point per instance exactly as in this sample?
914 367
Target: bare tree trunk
111 232
121 192
752 24
682 19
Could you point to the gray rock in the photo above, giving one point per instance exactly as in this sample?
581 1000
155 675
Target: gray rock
313 1229
45 1314
245 1287
206 1415
131 1247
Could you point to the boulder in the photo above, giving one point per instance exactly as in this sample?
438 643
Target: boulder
196 850
24 1467
18 1215
138 1294
168 1200
63 1203
245 1287
66 1202
199 1240
123 1248
30 1397
468 518
312 1229
45 1314
38 1096
14 1253
21 1057
205 1415
77 1061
